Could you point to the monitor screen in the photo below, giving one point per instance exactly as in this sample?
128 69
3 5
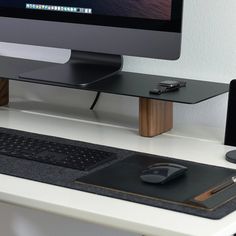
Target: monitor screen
153 9
146 28
142 14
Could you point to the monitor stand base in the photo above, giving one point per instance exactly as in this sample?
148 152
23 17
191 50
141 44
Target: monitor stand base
82 69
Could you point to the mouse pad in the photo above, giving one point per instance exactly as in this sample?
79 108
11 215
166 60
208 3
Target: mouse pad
123 178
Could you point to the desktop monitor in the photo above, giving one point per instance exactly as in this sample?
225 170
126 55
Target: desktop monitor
98 32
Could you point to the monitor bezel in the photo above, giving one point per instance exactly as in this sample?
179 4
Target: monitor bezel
173 25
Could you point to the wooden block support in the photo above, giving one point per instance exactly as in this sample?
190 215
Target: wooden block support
155 117
4 92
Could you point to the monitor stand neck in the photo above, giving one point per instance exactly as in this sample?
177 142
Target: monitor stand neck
81 70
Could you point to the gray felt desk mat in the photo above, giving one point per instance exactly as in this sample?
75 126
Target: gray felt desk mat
65 177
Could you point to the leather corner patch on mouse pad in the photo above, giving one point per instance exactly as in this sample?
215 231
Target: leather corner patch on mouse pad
123 178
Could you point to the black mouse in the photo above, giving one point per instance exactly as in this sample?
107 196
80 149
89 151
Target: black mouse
161 173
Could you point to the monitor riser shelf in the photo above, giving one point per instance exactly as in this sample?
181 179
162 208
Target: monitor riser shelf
155 111
155 117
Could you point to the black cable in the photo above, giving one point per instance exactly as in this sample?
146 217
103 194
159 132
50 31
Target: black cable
95 100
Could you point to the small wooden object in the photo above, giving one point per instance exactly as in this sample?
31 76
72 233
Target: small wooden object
4 92
155 117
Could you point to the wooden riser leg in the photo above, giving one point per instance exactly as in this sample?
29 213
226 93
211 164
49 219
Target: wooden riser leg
4 92
155 117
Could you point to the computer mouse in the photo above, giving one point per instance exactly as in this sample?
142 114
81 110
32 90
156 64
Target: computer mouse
161 173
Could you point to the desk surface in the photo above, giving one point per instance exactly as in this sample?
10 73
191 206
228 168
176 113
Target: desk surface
104 210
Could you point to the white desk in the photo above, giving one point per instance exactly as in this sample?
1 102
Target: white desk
107 211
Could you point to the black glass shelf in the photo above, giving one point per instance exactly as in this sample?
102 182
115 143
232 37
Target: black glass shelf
124 83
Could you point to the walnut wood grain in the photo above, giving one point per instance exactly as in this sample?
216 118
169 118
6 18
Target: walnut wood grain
4 92
155 117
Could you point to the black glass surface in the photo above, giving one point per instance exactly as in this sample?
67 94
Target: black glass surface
125 83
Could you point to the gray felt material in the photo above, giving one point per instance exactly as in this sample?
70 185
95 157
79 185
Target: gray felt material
66 177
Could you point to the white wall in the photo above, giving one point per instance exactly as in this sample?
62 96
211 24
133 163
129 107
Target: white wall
208 53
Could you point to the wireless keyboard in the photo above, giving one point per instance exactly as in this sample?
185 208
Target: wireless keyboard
40 148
